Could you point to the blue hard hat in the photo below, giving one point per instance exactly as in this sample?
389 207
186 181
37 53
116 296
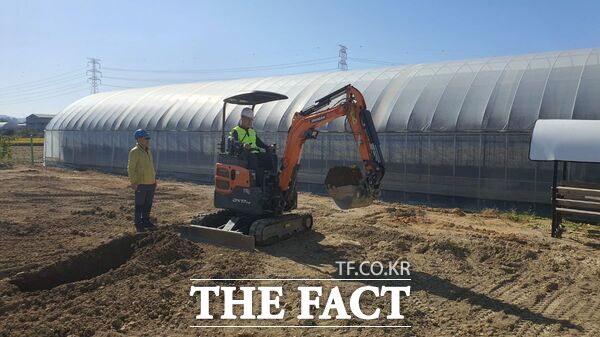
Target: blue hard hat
141 133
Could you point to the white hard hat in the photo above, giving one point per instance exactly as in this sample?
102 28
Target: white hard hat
248 113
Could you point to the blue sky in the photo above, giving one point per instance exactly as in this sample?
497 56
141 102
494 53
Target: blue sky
44 44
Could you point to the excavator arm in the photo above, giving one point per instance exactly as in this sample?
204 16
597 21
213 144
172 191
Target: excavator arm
304 126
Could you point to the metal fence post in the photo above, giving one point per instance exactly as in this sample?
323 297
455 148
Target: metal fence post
555 221
31 147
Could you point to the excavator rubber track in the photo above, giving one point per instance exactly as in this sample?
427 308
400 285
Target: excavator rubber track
242 231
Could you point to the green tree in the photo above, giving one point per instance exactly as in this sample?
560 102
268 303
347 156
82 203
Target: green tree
5 148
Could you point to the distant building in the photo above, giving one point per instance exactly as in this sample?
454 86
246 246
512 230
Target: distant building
10 125
38 121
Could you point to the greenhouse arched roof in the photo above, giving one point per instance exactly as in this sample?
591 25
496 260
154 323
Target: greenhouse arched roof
490 94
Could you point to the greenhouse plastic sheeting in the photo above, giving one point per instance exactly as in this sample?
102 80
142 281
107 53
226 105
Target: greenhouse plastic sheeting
449 131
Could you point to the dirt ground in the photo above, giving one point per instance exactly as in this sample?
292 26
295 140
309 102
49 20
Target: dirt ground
71 266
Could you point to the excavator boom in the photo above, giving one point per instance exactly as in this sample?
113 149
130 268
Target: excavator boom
304 126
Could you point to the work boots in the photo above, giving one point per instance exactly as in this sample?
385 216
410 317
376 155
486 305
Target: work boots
138 221
147 224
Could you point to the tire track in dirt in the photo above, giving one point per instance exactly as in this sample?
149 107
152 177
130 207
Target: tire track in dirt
562 299
584 313
484 291
593 314
524 327
560 305
567 307
517 296
507 291
511 293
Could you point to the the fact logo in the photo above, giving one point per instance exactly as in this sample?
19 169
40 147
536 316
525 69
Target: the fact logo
338 298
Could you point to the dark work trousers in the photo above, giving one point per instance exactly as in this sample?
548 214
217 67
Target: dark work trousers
259 162
144 195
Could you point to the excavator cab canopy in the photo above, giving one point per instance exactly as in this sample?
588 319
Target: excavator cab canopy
250 98
254 97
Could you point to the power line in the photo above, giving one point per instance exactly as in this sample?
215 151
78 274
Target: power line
137 87
95 74
343 54
238 69
152 80
53 91
117 86
186 81
42 91
362 60
40 98
42 80
41 86
48 84
179 80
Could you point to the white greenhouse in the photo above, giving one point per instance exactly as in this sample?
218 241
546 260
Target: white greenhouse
452 133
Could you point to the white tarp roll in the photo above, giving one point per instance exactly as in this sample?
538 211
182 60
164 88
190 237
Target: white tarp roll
565 140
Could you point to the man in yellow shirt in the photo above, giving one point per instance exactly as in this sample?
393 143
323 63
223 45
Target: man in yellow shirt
140 169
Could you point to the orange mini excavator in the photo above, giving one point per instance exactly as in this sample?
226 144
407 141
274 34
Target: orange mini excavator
256 211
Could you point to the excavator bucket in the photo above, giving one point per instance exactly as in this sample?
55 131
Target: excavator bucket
344 185
349 196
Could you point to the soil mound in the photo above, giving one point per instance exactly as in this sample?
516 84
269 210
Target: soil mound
165 247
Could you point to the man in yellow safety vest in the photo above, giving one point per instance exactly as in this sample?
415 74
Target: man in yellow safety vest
244 136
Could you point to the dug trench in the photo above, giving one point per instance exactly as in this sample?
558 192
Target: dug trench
84 266
146 250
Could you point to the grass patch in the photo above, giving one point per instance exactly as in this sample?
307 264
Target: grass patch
513 215
579 226
537 222
25 141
